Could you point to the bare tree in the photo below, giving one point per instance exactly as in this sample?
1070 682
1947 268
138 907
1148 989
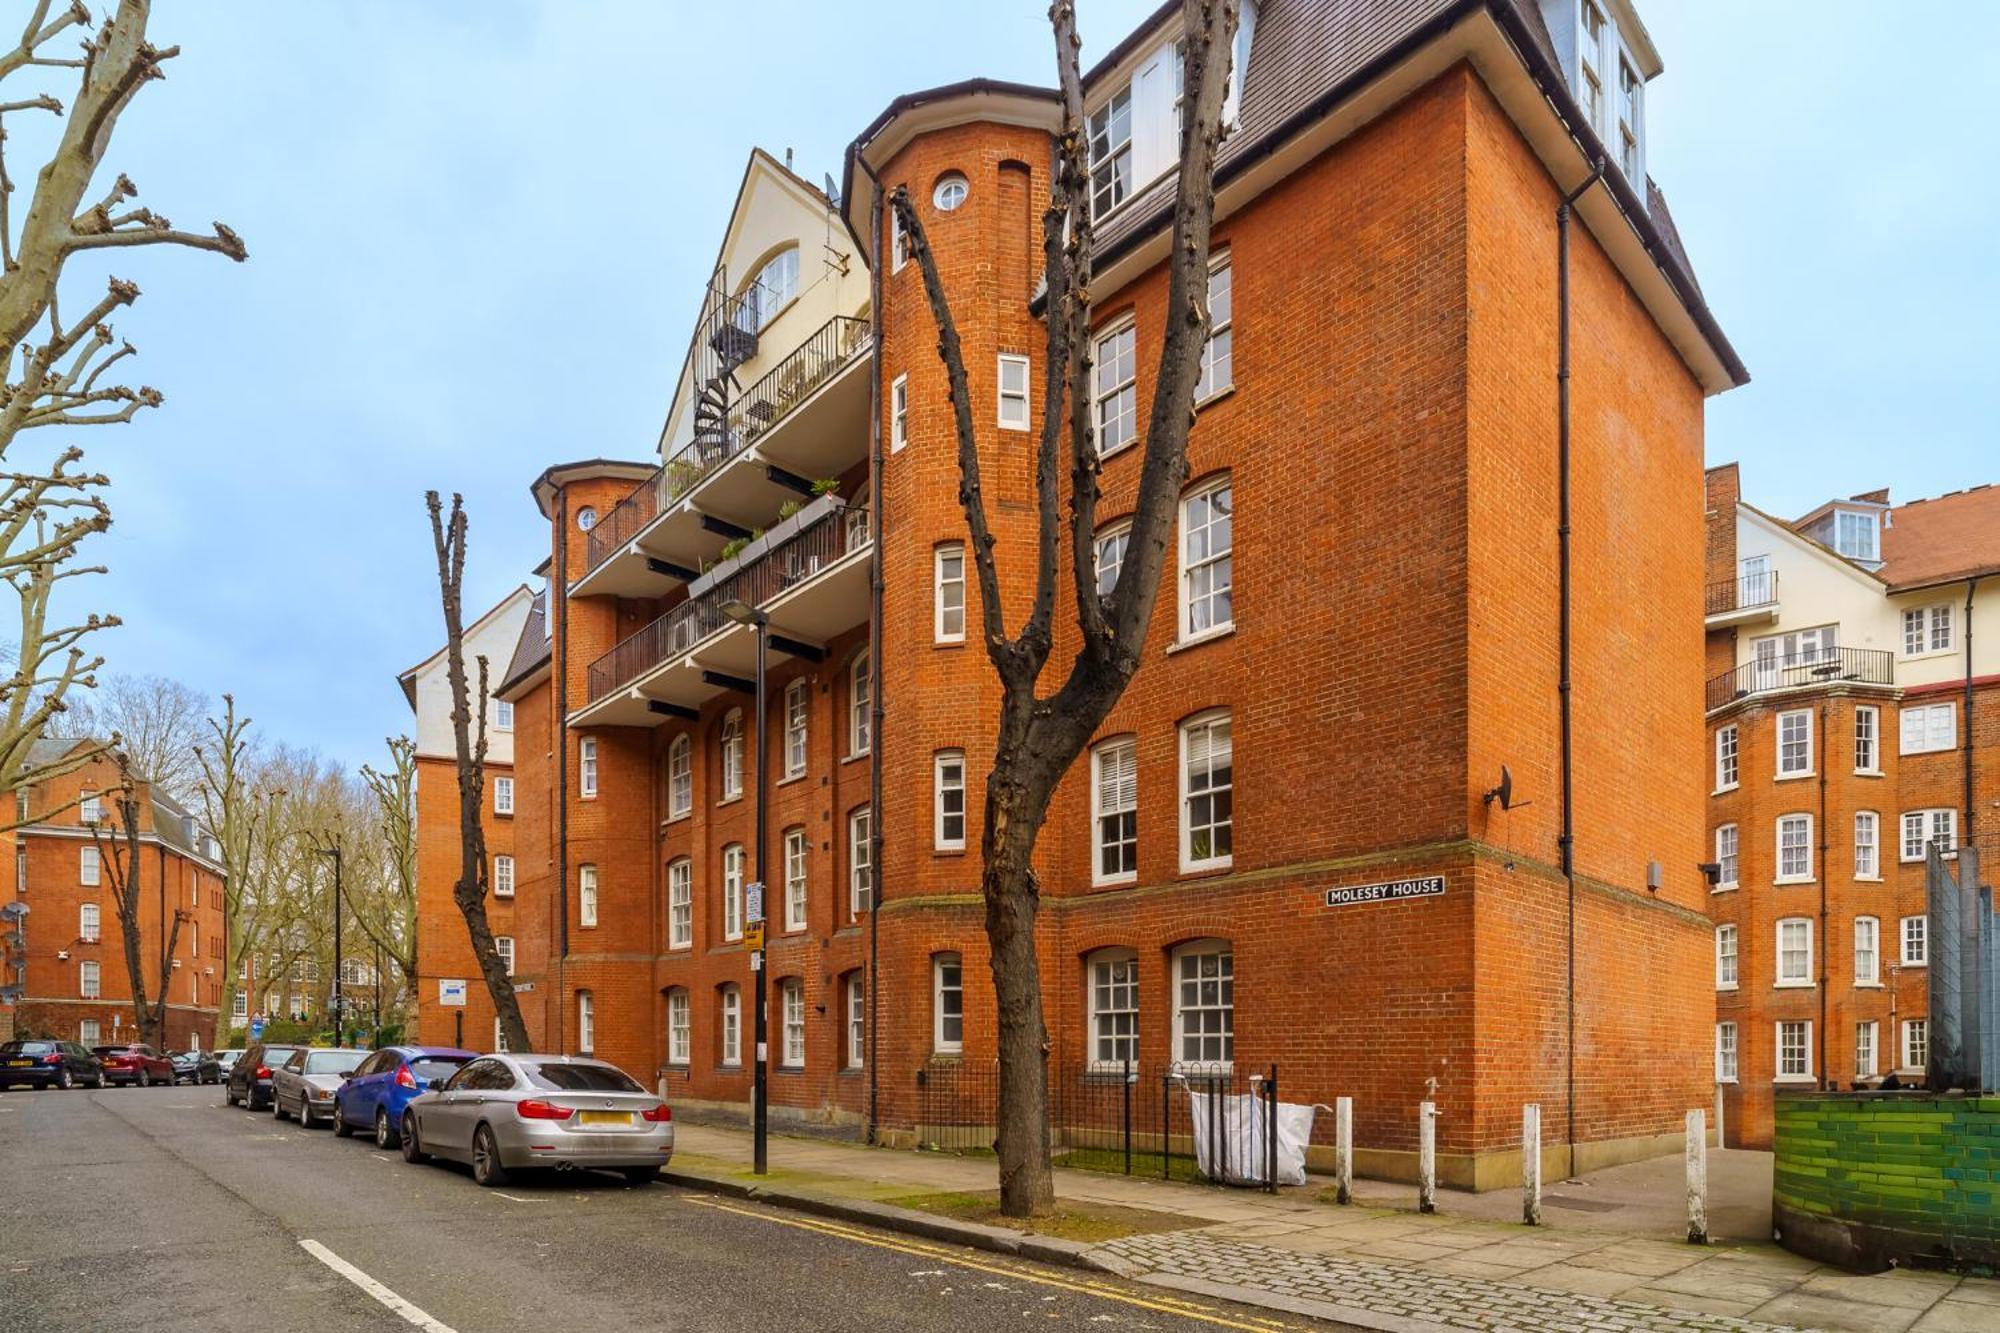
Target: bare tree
468 726
121 871
1040 736
386 904
234 818
158 722
54 367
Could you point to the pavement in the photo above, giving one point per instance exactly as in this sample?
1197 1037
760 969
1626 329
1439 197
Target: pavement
1610 1256
160 1209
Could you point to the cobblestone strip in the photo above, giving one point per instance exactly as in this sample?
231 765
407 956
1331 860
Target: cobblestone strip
1409 1293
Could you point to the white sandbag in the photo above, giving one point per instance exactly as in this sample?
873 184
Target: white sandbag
1230 1143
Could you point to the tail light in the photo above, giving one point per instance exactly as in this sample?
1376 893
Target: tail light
263 1071
404 1078
658 1115
536 1109
52 1059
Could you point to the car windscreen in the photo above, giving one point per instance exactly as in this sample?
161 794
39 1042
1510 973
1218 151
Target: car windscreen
107 1050
581 1078
274 1056
333 1062
28 1048
431 1068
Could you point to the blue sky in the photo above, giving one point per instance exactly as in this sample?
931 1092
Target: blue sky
478 236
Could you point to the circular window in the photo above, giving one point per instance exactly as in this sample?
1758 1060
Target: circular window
950 193
586 518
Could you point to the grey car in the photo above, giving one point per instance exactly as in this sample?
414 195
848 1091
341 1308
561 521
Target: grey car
506 1113
304 1085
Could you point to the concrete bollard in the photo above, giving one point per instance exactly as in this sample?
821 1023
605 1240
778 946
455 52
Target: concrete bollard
1343 1149
1697 1177
1531 1165
1427 1164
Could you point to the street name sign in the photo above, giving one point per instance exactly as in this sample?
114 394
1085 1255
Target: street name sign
451 993
1388 891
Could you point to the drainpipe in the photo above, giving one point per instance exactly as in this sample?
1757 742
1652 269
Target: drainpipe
1567 840
1965 727
561 717
874 656
1823 871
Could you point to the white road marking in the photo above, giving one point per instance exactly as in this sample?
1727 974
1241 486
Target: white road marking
409 1313
516 1198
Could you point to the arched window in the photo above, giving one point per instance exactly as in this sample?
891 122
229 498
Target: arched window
732 754
1111 979
1208 771
774 287
680 904
732 891
732 1025
1205 1004
860 697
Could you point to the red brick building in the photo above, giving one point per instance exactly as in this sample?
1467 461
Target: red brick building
69 958
1363 625
1853 719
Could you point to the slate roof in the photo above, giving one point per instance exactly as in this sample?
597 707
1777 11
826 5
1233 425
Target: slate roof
533 650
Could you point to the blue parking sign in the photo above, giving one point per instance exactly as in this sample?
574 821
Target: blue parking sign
257 1027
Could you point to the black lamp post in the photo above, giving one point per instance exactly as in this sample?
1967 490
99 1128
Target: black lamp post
759 623
333 850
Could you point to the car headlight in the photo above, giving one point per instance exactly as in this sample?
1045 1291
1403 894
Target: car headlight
321 1094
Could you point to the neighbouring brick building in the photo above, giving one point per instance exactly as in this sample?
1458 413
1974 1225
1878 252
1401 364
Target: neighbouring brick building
69 957
1853 718
1362 626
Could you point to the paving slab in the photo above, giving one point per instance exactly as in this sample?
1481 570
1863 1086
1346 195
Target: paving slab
1903 1288
1956 1316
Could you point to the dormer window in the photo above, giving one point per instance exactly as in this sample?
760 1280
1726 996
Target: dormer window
1613 61
1630 93
1857 535
1589 52
1111 153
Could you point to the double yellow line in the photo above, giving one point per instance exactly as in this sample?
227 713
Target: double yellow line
1171 1305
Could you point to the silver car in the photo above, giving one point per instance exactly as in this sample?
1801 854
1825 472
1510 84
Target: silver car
505 1113
304 1085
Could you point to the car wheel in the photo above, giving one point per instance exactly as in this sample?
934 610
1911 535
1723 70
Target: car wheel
385 1137
229 1096
486 1168
64 1079
641 1175
413 1151
277 1107
145 1078
341 1129
98 1081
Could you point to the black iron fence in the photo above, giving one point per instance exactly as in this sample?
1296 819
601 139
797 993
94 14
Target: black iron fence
1742 594
1177 1122
1812 666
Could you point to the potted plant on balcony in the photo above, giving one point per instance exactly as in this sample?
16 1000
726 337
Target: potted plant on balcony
747 552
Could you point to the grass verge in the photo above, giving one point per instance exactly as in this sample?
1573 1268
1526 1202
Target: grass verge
1089 1223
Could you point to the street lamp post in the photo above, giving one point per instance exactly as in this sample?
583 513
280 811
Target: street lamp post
759 623
333 850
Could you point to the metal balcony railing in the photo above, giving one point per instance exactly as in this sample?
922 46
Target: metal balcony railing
763 405
835 535
1742 594
1816 666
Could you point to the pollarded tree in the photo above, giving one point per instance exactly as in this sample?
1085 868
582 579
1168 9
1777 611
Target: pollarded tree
386 907
1040 736
122 866
53 367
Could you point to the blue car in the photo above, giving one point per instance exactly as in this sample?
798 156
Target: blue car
374 1095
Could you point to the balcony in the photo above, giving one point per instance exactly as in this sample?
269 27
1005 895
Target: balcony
810 573
1798 671
1742 601
803 420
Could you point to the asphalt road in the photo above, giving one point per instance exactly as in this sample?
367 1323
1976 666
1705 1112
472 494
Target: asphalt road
160 1209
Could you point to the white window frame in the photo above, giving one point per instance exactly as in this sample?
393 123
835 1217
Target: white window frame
586 1022
680 903
503 948
949 815
1727 769
1114 387
860 699
792 1023
730 745
1795 751
1726 1068
1016 398
1867 845
732 891
1206 725
1117 536
860 861
1217 562
948 592
90 810
503 875
798 715
730 1015
89 980
1937 823
1928 629
948 1003
1727 967
795 879
503 796
680 1027
1913 933
1860 522
1191 976
1110 158
1868 740
1114 795
239 1008
1914 1049
1804 1074
586 767
1784 980
680 777
1867 1049
1728 857
942 198
586 896
1936 729
1221 331
1784 876
89 867
1867 951
89 922
856 1000
899 407
503 715
1112 1005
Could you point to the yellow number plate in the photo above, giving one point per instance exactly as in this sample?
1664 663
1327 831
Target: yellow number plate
605 1117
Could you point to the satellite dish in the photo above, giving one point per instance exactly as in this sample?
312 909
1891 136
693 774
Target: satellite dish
13 911
1504 793
832 190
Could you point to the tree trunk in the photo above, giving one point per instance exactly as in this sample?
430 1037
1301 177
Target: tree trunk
1014 815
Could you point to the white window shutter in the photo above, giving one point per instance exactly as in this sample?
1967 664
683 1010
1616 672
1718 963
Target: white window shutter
1156 140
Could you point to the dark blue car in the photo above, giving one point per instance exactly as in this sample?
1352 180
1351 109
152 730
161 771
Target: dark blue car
374 1095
